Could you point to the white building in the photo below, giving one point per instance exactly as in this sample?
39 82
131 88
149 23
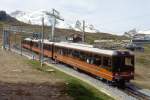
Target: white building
145 35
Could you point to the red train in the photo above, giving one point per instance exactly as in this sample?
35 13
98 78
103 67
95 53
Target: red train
112 65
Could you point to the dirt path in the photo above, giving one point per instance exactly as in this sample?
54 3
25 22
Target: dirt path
19 81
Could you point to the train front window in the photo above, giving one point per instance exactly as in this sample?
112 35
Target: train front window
123 63
128 61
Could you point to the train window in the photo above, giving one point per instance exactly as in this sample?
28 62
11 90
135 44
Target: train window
70 52
90 60
64 51
82 56
106 62
57 50
36 44
47 47
23 41
44 46
128 61
97 60
61 52
76 54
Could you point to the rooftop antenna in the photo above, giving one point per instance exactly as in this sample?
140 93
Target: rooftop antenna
55 15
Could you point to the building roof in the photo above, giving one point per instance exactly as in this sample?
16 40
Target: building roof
144 32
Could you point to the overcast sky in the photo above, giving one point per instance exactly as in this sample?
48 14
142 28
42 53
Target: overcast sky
115 16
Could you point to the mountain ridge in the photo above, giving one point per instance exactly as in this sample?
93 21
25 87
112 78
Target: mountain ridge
36 17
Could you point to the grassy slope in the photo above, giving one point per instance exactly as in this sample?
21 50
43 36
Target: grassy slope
142 68
98 36
77 89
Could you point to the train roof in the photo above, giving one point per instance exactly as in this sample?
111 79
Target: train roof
28 39
37 40
82 47
87 48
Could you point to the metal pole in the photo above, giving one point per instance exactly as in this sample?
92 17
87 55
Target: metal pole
3 37
21 45
9 39
21 41
15 40
53 26
55 16
42 37
83 31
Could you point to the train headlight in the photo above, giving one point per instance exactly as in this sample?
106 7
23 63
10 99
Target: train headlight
132 73
116 74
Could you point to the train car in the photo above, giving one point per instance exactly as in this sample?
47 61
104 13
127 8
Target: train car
34 45
114 66
27 43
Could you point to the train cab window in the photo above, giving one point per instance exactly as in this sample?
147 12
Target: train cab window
106 62
128 61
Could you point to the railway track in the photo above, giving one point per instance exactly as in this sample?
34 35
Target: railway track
130 90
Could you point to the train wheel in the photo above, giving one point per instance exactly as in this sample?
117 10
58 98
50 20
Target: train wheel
121 84
75 68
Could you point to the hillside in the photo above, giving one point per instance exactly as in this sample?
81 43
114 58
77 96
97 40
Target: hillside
142 68
7 19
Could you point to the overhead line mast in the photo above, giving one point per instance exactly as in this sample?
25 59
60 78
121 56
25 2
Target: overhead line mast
55 14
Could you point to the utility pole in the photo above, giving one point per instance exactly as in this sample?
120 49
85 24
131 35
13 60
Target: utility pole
4 38
83 31
42 41
55 15
53 25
